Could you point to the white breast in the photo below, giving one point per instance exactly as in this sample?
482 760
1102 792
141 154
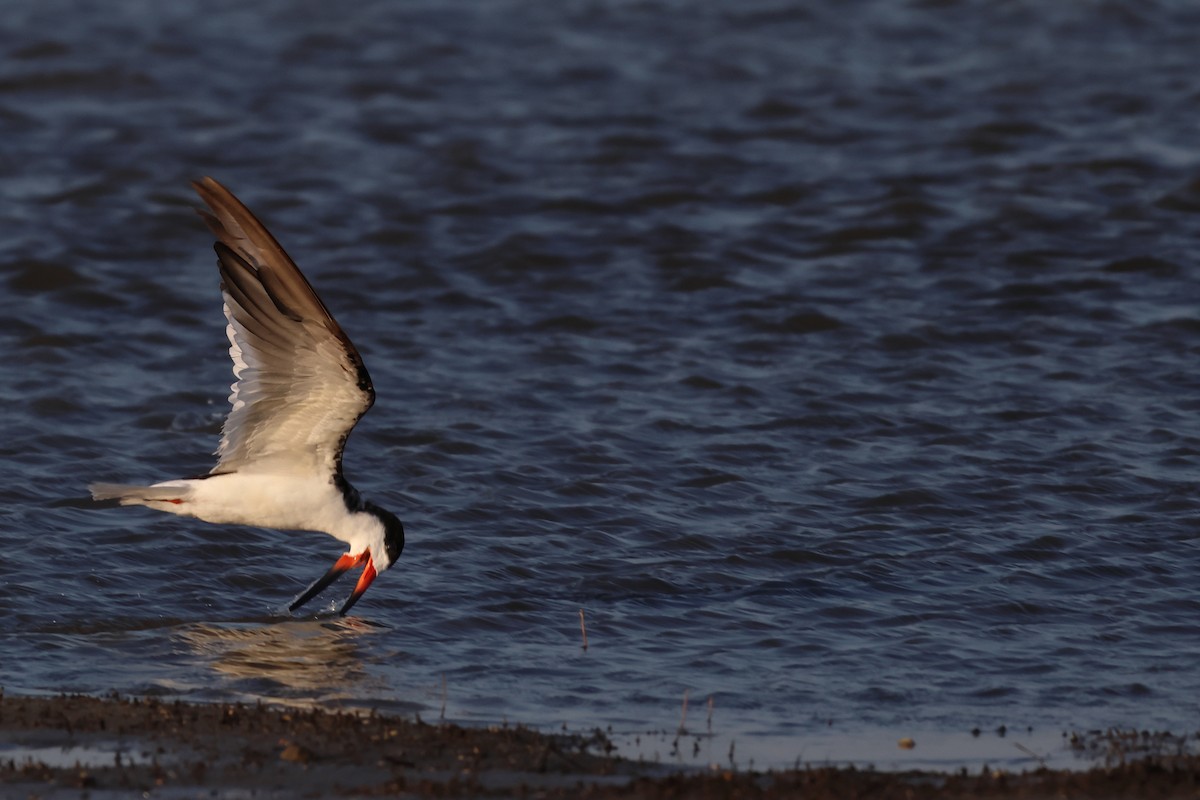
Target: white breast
288 502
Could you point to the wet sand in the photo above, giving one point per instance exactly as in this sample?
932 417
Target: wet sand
76 746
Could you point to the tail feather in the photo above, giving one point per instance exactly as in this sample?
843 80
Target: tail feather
133 495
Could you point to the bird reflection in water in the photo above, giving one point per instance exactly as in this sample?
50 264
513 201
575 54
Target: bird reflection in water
301 661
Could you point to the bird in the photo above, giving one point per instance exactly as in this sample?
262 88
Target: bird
300 387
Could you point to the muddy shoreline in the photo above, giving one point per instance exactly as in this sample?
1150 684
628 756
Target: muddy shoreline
75 746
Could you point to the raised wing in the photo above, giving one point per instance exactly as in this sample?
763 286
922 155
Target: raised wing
300 383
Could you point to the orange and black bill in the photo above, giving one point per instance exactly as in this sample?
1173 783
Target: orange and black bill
339 567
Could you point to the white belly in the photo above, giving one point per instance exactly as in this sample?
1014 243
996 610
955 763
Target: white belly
268 501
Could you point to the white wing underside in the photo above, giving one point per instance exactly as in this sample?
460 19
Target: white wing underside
300 384
293 403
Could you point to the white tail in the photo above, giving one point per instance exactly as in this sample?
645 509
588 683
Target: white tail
131 495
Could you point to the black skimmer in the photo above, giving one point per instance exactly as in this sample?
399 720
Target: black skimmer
300 388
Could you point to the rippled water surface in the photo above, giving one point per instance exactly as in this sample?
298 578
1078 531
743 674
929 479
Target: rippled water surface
840 361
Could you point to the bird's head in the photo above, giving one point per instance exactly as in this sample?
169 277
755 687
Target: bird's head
386 552
385 542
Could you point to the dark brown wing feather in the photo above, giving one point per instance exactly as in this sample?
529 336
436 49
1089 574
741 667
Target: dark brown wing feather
301 384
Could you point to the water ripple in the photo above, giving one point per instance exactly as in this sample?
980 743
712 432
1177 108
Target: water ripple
848 381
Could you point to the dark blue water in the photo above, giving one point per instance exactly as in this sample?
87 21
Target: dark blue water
840 362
